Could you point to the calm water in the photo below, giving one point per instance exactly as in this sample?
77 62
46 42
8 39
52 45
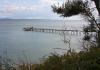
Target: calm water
34 45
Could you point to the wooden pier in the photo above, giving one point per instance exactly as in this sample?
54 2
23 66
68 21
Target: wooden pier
60 31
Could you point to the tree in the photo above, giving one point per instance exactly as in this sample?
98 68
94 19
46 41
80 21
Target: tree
75 7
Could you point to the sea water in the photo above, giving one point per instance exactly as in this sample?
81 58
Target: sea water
22 45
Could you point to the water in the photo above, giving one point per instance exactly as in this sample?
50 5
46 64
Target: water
21 45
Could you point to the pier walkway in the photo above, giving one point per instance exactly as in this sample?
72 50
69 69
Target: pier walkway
60 31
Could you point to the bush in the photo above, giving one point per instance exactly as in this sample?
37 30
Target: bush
74 61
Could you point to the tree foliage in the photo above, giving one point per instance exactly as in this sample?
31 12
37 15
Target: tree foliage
70 8
75 7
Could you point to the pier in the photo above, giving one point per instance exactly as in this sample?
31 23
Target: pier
48 30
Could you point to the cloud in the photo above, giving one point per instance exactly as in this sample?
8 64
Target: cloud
10 7
16 8
28 8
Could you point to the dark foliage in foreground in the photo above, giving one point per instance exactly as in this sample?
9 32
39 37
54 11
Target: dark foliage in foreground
74 61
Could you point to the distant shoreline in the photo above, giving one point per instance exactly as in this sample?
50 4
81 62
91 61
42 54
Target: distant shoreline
40 19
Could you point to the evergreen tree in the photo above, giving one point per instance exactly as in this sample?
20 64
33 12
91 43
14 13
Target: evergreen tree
75 7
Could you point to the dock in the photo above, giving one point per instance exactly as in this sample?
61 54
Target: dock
48 30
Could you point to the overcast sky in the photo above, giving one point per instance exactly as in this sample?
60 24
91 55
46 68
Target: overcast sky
29 9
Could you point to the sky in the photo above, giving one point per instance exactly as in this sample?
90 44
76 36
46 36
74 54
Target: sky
29 9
